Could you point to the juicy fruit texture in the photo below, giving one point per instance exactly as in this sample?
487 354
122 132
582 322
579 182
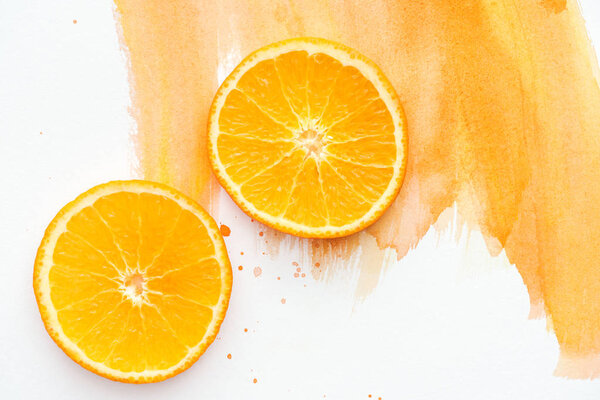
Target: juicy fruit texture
133 280
308 136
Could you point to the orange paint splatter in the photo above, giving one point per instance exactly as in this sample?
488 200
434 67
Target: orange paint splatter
257 271
260 233
317 264
298 269
303 275
225 231
296 275
254 381
74 21
245 329
502 102
241 253
229 356
283 301
294 263
278 278
240 268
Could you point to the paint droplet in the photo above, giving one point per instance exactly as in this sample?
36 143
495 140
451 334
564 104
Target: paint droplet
229 356
298 269
240 268
294 263
74 21
241 252
251 220
303 275
283 301
278 278
317 265
41 133
257 271
245 329
305 285
254 380
225 231
296 275
260 233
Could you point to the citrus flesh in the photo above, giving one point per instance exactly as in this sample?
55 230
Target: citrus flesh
309 137
132 280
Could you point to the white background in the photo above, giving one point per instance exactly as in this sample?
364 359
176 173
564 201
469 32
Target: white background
447 321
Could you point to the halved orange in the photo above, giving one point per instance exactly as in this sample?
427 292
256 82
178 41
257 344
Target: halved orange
309 137
132 280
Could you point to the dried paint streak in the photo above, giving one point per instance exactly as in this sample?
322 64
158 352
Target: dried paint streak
502 103
172 88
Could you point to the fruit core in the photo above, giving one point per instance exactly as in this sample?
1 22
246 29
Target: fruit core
134 284
312 141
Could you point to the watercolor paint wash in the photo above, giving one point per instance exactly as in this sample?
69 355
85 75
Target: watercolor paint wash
501 100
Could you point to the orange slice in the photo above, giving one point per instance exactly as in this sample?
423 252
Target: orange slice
309 137
132 280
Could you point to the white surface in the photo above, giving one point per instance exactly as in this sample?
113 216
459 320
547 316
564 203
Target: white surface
448 321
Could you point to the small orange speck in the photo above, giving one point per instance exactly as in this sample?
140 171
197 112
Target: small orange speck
254 380
298 270
257 271
251 220
303 275
370 396
41 133
225 231
245 329
240 268
241 252
317 265
379 398
283 301
294 263
74 21
260 233
296 275
229 356
305 285
278 278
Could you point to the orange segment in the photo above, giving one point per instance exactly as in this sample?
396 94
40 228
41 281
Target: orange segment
373 120
244 157
309 137
348 203
351 93
375 151
133 280
242 117
306 204
270 190
292 69
322 74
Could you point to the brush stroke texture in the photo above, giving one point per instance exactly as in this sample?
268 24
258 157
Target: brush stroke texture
502 102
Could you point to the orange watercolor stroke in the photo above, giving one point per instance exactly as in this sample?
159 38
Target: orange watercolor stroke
502 103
